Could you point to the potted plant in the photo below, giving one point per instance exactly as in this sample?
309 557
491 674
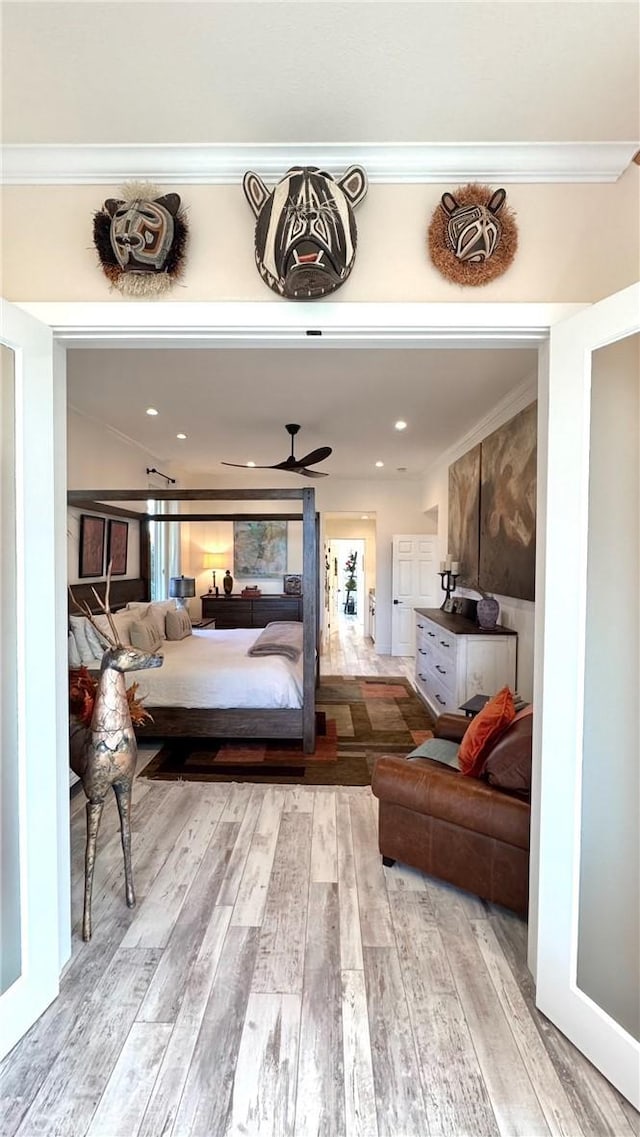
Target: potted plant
350 584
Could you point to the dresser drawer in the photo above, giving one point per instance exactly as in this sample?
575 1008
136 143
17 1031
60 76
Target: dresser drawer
265 611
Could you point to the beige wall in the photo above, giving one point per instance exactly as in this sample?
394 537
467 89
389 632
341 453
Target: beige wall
576 243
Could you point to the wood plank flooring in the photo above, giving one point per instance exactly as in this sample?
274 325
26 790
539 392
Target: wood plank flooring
276 980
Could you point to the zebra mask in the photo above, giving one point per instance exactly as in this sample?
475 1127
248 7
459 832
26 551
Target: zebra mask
305 239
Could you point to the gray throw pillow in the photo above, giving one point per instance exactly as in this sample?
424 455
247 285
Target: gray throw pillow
144 635
178 624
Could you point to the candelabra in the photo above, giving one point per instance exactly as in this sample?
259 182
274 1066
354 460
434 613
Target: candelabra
449 573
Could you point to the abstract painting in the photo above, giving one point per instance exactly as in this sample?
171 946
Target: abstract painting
508 507
91 545
259 548
464 515
117 547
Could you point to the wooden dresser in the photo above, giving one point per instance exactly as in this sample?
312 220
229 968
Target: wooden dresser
241 612
456 659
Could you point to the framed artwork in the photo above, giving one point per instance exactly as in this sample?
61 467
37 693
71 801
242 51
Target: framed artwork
91 560
292 584
259 548
508 508
463 541
117 547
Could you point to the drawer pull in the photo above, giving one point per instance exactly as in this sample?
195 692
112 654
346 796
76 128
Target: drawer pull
423 677
444 643
421 626
440 669
422 651
441 700
432 634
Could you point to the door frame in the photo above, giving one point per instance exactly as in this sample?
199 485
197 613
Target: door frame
41 666
562 626
259 325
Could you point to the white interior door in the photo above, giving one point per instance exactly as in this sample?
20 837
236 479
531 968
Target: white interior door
414 585
29 671
588 944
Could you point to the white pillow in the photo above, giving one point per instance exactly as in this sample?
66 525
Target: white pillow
157 612
144 635
97 642
74 654
122 621
178 624
139 606
78 625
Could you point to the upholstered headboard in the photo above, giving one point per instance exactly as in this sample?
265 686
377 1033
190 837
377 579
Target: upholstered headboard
122 593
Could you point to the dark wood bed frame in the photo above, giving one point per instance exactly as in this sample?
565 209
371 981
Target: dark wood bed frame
181 722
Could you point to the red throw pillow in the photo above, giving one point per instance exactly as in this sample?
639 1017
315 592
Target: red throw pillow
483 731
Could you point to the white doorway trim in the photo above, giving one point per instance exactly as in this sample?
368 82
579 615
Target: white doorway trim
271 324
96 324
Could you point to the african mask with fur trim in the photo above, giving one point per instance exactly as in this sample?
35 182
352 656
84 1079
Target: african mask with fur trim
305 239
473 231
140 239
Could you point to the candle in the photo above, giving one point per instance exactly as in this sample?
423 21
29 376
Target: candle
443 567
448 563
455 567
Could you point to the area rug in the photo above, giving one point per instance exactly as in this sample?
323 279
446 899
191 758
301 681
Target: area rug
358 718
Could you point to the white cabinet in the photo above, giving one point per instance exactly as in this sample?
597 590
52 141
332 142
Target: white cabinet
455 659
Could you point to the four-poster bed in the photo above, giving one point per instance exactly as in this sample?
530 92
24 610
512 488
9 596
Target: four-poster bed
230 722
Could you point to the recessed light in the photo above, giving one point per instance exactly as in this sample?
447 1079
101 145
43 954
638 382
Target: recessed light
378 464
401 424
365 517
181 435
151 411
250 463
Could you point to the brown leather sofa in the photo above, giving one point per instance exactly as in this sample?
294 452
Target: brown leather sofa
458 828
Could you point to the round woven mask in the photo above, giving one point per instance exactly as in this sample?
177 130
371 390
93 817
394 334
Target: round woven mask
473 235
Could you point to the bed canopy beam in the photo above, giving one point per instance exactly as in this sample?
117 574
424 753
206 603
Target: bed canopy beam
80 497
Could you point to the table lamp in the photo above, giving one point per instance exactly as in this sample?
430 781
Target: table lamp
214 561
181 588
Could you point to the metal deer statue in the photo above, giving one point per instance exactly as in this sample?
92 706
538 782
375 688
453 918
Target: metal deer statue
104 754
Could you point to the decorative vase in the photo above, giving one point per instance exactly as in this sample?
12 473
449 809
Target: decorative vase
227 583
487 612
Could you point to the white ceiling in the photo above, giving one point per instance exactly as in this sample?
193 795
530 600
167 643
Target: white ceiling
233 403
273 72
279 73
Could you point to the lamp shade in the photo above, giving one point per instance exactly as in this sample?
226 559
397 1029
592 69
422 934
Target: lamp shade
181 586
215 560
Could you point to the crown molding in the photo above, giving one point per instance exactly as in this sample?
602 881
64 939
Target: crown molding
393 162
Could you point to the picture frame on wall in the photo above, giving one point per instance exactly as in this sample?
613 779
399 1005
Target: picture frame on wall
91 549
292 584
117 541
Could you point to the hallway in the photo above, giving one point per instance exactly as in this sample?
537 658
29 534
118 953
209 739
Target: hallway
349 652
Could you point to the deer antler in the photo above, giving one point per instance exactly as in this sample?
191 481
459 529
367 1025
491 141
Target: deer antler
84 608
106 606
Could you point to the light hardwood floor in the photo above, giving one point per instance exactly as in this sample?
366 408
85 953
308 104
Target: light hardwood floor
275 979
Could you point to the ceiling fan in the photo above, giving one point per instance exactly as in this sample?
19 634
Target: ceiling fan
295 465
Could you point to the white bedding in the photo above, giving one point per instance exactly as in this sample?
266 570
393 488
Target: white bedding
211 669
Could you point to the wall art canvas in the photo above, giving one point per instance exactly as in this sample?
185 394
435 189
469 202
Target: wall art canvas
508 507
117 547
464 515
259 548
92 531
